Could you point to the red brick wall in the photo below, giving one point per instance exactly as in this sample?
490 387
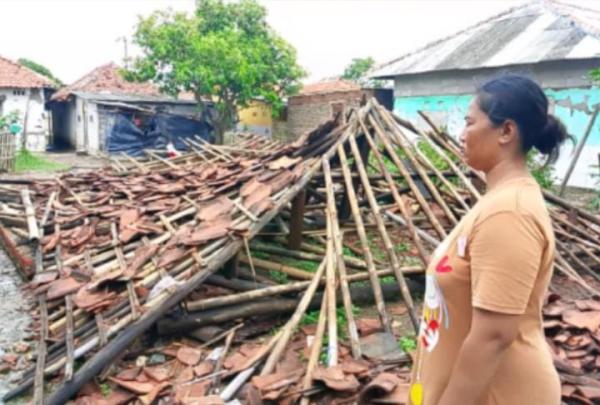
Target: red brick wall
306 112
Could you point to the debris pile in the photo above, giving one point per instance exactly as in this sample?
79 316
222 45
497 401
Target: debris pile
349 213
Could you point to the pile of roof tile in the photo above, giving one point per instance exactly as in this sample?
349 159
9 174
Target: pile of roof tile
573 334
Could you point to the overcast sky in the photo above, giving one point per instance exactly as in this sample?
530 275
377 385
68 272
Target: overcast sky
71 37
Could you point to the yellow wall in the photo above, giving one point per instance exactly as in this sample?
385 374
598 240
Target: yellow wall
257 114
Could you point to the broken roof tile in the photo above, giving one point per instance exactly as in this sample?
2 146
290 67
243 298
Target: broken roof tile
62 287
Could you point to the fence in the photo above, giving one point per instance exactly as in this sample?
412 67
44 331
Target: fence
7 152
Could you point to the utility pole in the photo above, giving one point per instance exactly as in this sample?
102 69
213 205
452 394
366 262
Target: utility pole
125 51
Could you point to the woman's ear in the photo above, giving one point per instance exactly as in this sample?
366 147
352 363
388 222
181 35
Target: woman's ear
510 132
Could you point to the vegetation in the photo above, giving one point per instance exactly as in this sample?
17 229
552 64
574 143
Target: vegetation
26 161
357 69
407 343
312 317
278 276
7 120
543 173
41 69
225 52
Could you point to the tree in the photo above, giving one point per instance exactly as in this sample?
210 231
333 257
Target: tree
40 69
226 53
357 69
595 75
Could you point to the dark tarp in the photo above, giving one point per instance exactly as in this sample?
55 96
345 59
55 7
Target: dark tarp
154 132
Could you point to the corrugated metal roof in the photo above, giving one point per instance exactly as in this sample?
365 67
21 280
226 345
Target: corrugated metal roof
131 98
541 31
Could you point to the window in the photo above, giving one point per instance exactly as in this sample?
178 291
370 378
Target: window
18 92
91 118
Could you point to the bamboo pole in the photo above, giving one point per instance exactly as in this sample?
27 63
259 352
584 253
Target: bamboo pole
451 163
38 392
402 142
336 236
291 325
268 265
69 364
382 137
34 232
393 258
397 198
248 296
330 287
362 234
315 350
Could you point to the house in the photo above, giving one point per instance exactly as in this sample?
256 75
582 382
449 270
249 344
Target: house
24 91
556 44
317 102
104 113
257 117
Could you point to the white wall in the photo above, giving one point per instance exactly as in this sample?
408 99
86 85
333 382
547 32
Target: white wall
84 118
37 118
93 138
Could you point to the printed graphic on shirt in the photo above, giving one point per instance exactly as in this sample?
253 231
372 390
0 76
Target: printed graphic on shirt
461 246
435 313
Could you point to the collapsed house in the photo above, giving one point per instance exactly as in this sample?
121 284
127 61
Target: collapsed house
201 246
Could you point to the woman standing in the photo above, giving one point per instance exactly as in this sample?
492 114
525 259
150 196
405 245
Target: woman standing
481 340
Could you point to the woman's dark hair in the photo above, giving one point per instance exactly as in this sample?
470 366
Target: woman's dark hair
518 98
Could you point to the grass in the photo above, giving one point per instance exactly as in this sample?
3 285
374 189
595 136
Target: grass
388 280
279 277
402 247
305 265
26 161
312 317
407 343
105 389
348 252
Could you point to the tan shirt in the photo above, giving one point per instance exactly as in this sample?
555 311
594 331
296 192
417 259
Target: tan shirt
498 258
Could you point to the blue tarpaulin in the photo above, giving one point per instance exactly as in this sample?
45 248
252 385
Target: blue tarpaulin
156 131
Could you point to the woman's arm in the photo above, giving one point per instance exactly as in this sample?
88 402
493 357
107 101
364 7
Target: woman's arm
478 359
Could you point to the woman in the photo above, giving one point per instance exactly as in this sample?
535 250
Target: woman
481 340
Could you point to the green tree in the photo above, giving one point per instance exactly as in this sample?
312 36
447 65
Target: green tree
40 69
356 70
225 52
595 75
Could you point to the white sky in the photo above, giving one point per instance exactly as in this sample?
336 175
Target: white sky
71 37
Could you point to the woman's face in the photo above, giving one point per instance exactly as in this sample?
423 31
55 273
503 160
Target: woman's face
480 139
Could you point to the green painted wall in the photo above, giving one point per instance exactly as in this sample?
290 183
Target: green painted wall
572 106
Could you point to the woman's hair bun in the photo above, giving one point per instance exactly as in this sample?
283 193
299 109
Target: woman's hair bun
551 137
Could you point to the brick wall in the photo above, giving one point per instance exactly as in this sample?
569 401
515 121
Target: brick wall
306 112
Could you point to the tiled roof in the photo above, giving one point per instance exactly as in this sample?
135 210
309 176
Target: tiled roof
107 79
333 86
15 75
544 30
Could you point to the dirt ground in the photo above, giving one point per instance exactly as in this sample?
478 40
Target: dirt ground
16 320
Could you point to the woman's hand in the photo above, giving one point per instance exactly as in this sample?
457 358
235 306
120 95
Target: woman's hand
478 359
